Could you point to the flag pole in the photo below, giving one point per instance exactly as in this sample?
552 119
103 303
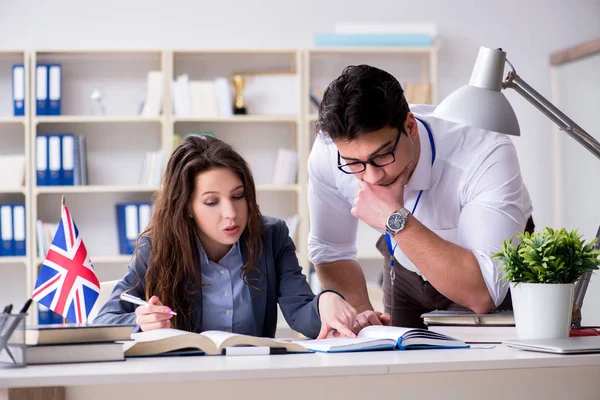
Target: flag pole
62 203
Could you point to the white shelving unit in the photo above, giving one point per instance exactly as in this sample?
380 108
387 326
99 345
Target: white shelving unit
14 137
116 142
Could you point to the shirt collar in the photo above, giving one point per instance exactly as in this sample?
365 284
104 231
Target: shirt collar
421 177
235 249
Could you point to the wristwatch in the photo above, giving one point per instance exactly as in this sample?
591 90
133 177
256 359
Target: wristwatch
396 221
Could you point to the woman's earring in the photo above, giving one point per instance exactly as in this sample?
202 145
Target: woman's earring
190 215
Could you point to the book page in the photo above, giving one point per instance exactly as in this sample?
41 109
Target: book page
383 332
218 337
157 334
225 339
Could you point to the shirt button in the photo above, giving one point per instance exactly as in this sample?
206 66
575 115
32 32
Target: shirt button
228 313
226 293
222 271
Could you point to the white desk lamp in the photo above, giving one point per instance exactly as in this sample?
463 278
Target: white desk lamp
481 104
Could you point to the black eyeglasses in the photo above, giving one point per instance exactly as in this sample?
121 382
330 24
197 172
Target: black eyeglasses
379 161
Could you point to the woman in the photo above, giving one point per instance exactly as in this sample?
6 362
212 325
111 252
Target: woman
209 255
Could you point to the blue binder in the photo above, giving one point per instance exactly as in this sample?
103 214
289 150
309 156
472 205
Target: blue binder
127 226
18 90
54 89
68 145
19 236
6 230
54 160
41 89
41 160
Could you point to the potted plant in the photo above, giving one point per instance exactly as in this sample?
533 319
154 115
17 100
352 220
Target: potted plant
542 271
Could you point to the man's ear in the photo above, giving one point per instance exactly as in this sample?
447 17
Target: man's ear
410 126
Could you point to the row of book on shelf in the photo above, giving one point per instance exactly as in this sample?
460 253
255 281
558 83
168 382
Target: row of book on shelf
131 218
61 160
48 89
12 230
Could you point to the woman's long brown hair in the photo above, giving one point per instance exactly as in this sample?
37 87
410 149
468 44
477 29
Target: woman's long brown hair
173 272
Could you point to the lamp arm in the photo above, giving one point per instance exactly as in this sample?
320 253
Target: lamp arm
515 82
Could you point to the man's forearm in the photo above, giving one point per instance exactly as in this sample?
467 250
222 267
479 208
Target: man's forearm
451 269
346 277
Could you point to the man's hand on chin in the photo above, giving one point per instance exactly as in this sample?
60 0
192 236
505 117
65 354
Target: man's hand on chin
374 203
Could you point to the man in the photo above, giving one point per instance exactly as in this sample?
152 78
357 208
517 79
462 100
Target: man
446 196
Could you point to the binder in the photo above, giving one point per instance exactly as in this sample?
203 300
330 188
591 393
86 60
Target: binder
54 160
18 90
41 160
68 163
18 219
41 89
7 230
145 213
127 226
54 89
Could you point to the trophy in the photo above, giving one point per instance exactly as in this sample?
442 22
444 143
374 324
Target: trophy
239 83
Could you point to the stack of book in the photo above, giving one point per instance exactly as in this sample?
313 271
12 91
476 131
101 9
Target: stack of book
366 34
494 327
71 343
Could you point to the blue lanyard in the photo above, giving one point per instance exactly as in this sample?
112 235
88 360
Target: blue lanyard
387 236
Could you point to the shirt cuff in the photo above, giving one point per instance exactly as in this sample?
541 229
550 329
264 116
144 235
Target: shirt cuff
325 291
492 273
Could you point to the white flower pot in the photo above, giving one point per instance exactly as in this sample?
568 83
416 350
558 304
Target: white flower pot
542 310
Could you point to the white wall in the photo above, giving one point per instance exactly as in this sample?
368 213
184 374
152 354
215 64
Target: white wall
528 30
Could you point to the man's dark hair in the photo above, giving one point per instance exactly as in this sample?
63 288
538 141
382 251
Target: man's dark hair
362 99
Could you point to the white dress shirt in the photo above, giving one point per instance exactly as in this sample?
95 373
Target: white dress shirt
473 196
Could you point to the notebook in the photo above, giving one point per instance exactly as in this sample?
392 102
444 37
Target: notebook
378 337
162 341
76 333
571 345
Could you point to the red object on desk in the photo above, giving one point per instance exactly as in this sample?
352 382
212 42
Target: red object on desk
584 332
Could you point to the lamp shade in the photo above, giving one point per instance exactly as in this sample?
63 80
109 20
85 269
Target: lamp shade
481 103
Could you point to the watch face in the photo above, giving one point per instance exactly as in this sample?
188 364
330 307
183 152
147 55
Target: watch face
396 221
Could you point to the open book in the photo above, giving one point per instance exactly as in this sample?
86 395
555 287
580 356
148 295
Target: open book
385 337
163 341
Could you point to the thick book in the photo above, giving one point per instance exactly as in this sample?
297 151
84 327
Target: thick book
477 333
447 317
74 353
163 341
378 337
76 333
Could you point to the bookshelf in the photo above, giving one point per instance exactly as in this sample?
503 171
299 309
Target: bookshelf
117 140
14 136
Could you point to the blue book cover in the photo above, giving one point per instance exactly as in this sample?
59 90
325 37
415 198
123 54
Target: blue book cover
54 89
18 90
41 160
41 89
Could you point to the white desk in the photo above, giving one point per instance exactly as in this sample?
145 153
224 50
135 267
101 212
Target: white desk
498 373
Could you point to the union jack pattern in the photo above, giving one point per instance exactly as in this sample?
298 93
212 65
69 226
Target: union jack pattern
67 283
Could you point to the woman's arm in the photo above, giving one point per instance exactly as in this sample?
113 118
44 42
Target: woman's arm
116 311
298 303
